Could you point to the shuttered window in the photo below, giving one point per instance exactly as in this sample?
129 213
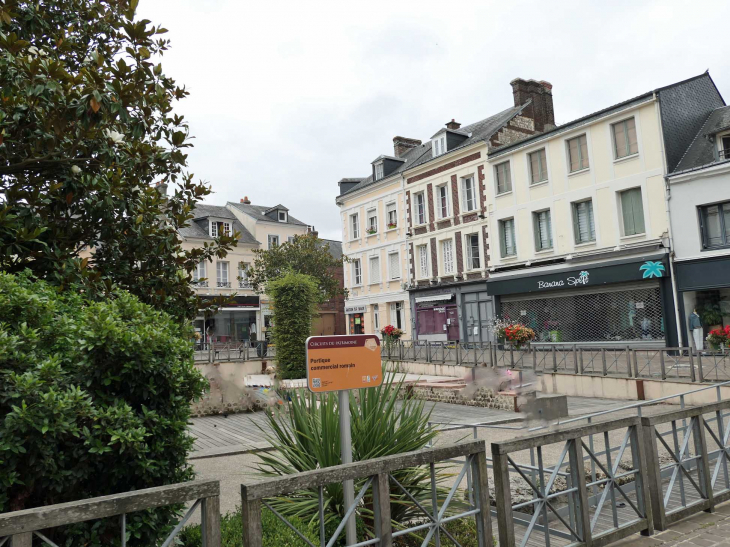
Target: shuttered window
632 210
543 230
391 215
538 167
374 269
356 272
578 153
420 209
472 252
423 261
447 254
624 138
355 226
394 265
507 237
504 177
222 274
583 225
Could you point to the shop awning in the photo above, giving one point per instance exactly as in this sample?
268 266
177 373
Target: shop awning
434 298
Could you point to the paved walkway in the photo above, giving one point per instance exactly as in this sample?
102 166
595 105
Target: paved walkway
242 433
700 530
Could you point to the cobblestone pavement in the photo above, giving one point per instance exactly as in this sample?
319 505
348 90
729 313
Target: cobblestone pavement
700 530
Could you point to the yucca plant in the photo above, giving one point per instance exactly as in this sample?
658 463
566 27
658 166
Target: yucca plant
307 437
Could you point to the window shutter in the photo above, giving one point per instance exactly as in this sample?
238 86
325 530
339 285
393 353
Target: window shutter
627 208
549 229
537 234
394 266
503 238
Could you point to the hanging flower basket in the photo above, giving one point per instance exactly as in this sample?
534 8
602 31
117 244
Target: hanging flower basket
718 338
515 334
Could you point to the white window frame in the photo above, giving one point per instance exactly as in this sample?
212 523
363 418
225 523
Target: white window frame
213 228
393 275
447 259
423 252
465 183
354 226
374 279
469 247
416 220
356 272
284 219
376 317
221 268
438 146
496 178
396 310
544 168
199 271
370 215
573 212
391 207
440 212
242 277
379 170
272 238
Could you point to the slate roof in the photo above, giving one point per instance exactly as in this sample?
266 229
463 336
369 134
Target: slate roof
258 212
335 247
480 131
701 151
203 211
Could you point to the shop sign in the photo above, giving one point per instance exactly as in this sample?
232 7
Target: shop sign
589 277
354 309
336 363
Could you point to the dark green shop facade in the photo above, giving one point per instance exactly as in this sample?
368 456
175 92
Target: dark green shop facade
618 302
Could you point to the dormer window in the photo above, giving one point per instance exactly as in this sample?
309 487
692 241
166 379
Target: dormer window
724 147
438 145
379 171
282 216
219 228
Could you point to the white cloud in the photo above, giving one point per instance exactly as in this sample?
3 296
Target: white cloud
289 97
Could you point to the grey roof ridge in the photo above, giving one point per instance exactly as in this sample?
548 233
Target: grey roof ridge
700 132
483 139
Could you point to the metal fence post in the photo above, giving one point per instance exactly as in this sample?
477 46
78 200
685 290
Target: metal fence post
703 465
511 357
428 351
636 364
401 349
575 358
481 498
640 440
662 367
692 375
700 372
503 498
210 521
582 367
381 509
555 360
444 346
534 359
603 361
458 352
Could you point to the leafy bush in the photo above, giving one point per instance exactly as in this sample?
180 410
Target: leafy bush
295 297
308 437
95 398
276 533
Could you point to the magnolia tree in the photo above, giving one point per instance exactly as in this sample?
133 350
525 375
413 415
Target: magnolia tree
87 130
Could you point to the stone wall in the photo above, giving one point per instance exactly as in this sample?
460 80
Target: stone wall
484 397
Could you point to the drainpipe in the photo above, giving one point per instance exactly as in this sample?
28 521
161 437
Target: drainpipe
667 198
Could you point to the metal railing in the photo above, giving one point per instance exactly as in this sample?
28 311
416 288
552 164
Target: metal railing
223 284
680 363
19 527
213 352
377 475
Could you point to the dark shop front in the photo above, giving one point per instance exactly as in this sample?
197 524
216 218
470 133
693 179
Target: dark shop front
617 302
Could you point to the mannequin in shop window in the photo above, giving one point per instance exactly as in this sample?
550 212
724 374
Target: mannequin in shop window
695 327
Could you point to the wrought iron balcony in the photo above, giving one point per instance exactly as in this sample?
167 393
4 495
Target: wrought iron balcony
244 284
224 284
199 283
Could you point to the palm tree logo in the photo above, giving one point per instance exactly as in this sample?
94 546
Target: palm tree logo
652 269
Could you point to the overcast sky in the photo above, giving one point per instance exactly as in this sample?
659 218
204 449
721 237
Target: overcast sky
289 97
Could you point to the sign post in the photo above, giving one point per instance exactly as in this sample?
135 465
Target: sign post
342 363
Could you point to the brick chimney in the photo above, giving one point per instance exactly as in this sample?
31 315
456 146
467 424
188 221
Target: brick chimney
401 145
541 107
246 200
312 231
453 124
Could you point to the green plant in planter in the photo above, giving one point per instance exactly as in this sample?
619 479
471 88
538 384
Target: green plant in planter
308 437
710 314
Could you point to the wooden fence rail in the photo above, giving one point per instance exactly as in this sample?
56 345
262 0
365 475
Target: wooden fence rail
20 526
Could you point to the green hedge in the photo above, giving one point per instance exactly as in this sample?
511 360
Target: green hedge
94 398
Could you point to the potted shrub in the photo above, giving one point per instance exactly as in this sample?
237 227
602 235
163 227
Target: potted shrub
711 315
718 338
371 231
392 225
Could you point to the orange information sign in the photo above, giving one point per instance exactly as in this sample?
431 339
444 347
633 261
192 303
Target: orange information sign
336 363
